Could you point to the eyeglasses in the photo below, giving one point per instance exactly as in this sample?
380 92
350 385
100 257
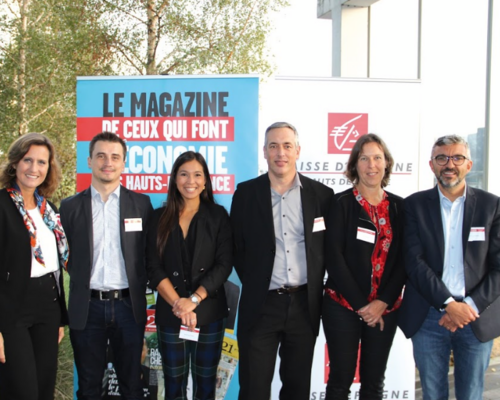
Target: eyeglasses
442 160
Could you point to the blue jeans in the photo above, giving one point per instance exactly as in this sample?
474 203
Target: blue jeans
432 346
114 321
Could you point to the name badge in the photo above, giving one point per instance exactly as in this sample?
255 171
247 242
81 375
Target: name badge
319 224
186 334
477 234
366 235
133 224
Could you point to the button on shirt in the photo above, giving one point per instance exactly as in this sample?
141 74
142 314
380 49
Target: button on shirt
108 269
452 216
290 268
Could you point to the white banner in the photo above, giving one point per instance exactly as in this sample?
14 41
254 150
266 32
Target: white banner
329 115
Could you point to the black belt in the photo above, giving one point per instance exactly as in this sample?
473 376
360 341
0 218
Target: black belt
109 294
289 289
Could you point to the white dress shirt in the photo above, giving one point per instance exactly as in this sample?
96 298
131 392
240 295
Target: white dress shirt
108 269
452 216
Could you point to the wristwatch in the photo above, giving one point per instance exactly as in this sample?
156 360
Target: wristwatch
195 300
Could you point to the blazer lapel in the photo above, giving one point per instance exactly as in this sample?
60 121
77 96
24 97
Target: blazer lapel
264 203
124 202
434 209
87 220
469 209
307 198
200 234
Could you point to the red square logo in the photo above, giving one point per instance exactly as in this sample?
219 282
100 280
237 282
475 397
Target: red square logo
344 130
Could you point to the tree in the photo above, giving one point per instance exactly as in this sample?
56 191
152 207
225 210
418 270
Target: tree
189 37
45 46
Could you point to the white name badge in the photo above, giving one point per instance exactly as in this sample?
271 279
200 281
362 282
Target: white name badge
319 224
366 235
133 224
477 234
186 334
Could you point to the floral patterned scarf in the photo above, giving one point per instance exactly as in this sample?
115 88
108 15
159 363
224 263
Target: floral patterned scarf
51 220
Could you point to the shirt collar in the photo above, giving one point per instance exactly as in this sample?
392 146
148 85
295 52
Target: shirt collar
442 197
296 181
115 193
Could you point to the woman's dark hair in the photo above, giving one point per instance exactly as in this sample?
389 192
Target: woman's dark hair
175 201
352 173
18 150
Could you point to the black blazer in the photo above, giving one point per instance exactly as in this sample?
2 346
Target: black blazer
76 218
424 249
255 244
15 264
348 260
211 264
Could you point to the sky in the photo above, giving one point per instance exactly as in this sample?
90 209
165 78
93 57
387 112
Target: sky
301 42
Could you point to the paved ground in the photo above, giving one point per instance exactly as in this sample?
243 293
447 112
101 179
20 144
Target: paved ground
491 386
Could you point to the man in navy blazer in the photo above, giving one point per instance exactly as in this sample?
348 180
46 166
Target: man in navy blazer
451 300
106 231
278 228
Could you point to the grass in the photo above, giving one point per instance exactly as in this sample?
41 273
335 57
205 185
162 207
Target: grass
64 382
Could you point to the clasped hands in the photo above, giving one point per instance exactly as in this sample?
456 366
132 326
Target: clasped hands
372 313
457 316
183 308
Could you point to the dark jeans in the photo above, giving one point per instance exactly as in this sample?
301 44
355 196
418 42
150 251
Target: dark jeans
31 346
284 323
344 330
114 321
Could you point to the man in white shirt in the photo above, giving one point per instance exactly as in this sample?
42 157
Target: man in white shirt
451 300
106 230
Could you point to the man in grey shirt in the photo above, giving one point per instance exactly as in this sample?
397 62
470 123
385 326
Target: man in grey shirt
278 225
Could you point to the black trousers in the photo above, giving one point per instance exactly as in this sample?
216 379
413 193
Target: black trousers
31 346
284 323
344 330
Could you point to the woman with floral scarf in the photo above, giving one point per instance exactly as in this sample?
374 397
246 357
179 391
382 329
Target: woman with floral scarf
33 252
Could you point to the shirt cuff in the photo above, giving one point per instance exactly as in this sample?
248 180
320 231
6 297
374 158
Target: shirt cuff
471 303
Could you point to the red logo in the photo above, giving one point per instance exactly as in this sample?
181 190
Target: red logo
344 130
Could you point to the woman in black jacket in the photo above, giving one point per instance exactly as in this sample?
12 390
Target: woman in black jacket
189 259
33 252
366 274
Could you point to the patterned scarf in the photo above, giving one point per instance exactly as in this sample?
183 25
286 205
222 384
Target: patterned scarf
51 220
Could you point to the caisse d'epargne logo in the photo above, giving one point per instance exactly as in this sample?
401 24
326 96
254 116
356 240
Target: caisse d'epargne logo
343 131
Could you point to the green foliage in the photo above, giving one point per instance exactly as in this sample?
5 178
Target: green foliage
189 37
61 41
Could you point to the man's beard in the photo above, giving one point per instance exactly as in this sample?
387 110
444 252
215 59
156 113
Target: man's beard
447 183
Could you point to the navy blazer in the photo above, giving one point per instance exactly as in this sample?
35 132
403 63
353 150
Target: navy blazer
255 244
15 264
424 250
76 218
211 264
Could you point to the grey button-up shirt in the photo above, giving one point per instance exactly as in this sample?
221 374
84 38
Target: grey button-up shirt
290 268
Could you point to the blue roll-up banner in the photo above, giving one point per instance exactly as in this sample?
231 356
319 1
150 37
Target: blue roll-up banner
161 117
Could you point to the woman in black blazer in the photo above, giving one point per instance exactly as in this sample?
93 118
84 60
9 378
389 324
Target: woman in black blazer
366 274
189 259
33 252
